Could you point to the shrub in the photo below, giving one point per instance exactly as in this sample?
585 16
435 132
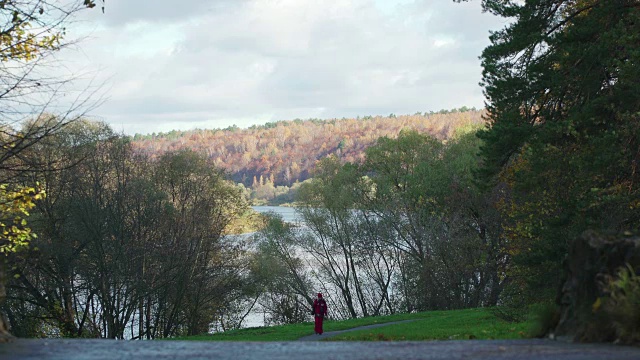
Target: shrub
619 309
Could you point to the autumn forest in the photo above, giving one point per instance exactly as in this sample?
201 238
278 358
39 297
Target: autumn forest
285 152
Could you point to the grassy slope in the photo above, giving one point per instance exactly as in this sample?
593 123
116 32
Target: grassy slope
446 325
456 324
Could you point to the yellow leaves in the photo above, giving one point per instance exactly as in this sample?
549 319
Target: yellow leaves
596 305
14 207
23 44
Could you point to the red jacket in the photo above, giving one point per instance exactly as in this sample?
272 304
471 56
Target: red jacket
319 307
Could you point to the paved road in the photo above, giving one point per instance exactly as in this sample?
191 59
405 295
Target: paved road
431 350
328 334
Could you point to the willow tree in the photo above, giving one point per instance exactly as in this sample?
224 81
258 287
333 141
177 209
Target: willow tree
441 225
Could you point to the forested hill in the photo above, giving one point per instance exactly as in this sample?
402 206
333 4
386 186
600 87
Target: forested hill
284 152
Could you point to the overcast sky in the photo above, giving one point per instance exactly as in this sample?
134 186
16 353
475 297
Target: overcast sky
187 64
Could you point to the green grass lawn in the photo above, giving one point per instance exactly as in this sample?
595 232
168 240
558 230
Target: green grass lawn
445 325
431 325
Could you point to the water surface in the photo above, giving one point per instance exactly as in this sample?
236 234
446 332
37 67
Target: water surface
288 213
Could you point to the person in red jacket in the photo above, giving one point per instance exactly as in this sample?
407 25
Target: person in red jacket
319 312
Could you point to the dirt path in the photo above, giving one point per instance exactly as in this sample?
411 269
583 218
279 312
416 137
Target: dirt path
329 334
24 349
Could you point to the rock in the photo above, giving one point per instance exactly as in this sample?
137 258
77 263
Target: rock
592 261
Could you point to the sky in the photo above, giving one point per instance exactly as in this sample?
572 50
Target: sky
166 65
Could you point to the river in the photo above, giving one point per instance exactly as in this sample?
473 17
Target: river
256 317
288 213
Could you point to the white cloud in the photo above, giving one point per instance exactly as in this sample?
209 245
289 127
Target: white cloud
215 63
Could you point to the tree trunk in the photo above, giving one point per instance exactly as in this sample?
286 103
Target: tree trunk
4 330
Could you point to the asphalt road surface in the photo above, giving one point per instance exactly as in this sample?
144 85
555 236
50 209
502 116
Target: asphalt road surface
316 350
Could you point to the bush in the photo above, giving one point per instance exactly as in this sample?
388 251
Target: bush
619 310
545 318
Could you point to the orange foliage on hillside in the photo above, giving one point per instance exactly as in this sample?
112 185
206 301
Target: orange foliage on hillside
286 151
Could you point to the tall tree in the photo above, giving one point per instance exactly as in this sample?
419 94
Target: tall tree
562 137
203 264
423 190
30 31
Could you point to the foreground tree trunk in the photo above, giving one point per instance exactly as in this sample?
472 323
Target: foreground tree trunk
4 328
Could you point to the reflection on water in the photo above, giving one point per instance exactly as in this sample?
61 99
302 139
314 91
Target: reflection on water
288 213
